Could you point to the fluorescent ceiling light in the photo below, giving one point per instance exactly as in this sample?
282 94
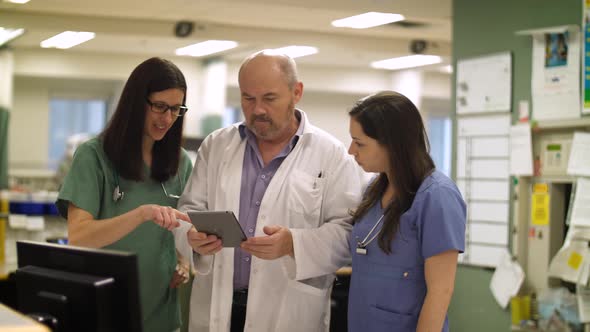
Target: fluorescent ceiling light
7 35
20 2
67 39
206 47
367 20
295 51
409 61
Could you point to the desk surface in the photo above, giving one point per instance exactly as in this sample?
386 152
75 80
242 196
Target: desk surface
12 321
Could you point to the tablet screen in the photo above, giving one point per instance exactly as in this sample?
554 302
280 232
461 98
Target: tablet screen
222 224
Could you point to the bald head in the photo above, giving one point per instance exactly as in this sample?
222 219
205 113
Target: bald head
278 63
270 90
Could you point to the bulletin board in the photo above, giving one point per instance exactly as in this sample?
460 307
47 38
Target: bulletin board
484 102
484 84
483 163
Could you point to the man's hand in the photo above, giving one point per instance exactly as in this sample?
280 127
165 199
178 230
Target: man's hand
180 275
278 243
202 243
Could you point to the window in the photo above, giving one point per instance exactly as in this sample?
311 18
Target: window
439 134
69 117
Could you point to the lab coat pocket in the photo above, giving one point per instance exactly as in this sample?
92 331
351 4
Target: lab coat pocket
385 320
303 308
305 196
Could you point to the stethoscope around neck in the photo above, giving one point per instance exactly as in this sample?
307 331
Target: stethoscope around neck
361 246
118 194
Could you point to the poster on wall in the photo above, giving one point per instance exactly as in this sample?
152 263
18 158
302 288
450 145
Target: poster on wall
556 72
586 57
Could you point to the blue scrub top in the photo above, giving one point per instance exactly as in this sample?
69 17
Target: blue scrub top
387 291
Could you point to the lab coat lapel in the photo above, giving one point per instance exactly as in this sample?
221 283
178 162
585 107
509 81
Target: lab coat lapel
231 174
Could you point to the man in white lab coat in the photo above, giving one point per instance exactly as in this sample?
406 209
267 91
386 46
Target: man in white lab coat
291 186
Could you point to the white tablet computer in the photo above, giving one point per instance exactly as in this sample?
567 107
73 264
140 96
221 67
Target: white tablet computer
222 224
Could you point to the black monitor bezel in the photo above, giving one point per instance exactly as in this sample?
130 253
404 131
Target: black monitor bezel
122 266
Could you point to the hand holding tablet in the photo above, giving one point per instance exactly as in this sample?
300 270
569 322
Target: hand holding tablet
222 224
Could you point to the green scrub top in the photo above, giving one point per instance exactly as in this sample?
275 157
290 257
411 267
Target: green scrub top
89 185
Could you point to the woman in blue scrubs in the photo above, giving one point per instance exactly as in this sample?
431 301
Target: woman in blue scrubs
408 229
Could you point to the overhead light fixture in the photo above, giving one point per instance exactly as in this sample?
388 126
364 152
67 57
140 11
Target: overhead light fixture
7 35
206 47
20 2
67 39
367 20
409 61
296 51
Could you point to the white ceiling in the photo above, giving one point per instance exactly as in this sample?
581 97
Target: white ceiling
147 26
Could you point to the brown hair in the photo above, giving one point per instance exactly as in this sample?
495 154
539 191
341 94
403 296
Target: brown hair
122 138
394 121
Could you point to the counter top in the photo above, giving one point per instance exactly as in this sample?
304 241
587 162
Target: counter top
13 321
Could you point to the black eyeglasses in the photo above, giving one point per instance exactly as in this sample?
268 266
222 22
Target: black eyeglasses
161 108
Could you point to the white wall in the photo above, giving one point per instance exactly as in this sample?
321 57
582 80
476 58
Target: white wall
29 125
333 79
28 133
41 74
6 82
328 94
437 86
329 111
83 65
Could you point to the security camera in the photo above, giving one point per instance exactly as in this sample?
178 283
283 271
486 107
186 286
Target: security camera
418 46
183 28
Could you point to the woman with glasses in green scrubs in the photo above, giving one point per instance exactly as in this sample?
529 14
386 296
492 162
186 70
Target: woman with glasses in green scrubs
122 185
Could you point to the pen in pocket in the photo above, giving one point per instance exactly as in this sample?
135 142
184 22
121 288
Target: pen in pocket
315 183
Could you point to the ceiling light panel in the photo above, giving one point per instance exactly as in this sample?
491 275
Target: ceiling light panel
296 51
7 35
367 20
409 61
20 2
206 48
67 39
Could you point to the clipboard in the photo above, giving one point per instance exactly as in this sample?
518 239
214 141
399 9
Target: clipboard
222 224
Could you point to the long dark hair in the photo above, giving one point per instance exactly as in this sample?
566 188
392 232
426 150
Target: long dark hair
394 122
122 138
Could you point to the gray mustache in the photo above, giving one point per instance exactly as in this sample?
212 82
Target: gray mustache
261 118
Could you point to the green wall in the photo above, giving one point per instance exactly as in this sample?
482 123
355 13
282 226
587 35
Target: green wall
480 28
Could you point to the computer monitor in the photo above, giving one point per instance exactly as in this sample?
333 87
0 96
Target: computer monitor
83 289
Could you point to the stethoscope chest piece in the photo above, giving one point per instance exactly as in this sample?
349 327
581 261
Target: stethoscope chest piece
361 250
361 246
117 194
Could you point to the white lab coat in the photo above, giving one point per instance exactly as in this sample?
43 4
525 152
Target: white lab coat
285 294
